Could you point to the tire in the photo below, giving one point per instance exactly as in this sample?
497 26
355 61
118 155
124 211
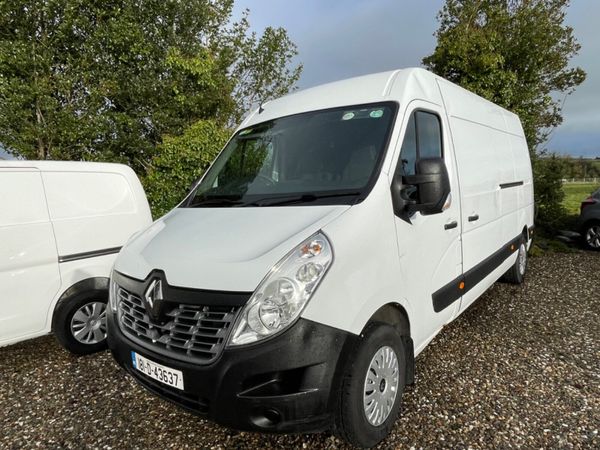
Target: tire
351 421
516 274
591 236
65 323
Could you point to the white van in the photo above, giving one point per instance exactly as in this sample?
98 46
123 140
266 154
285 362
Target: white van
335 235
61 227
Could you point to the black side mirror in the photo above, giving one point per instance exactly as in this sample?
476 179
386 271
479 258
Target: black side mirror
426 191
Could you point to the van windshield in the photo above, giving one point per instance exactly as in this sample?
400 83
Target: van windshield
322 157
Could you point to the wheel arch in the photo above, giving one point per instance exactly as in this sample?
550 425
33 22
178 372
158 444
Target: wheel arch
525 233
396 315
86 285
589 222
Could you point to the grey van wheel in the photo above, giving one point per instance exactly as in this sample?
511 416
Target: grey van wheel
79 323
372 387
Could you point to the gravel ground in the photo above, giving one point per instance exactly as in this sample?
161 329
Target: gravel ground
519 369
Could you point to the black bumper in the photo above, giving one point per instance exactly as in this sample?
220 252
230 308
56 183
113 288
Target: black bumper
286 384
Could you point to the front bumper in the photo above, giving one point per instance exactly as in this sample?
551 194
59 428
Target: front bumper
285 384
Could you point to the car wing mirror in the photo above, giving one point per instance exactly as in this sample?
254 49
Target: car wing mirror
426 191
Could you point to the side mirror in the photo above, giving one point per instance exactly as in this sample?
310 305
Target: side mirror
426 191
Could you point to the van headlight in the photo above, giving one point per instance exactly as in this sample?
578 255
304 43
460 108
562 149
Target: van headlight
284 292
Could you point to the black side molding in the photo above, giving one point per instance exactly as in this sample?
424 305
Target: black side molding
509 185
91 254
448 294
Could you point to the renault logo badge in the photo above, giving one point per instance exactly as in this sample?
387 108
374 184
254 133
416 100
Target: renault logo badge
154 297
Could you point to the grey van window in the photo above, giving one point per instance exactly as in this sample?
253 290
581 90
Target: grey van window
429 135
408 153
319 157
423 139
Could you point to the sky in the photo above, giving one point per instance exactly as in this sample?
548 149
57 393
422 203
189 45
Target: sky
340 39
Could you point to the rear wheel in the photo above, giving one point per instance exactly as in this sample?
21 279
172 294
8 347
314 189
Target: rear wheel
591 236
372 387
516 274
79 323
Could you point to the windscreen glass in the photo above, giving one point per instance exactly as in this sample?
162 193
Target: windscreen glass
320 157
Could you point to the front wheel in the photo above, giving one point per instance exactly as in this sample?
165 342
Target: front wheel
372 387
79 323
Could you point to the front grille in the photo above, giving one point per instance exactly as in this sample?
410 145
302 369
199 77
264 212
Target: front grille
190 333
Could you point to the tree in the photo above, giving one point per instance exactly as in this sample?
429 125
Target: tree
516 54
179 161
106 80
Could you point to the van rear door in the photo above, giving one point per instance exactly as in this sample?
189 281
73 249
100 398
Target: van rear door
29 275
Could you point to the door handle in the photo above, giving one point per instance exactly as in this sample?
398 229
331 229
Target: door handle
451 225
474 217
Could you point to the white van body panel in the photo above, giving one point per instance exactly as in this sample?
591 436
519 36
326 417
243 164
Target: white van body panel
221 247
28 262
356 284
55 211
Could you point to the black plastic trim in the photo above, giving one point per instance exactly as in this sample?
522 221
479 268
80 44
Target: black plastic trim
81 287
176 294
509 185
296 375
451 225
448 294
90 254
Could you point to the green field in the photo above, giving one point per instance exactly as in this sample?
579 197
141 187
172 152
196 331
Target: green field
575 193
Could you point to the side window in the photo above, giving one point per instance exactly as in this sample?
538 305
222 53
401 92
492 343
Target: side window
429 135
423 139
408 153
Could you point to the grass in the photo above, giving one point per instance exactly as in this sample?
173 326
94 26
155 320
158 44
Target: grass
546 242
575 193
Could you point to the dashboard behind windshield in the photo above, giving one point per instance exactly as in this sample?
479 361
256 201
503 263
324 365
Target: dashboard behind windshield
324 157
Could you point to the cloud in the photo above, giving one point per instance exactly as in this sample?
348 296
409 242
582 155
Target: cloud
340 39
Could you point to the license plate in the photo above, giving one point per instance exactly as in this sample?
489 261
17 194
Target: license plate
158 372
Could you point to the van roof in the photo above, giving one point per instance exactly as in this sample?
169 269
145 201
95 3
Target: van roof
65 166
402 86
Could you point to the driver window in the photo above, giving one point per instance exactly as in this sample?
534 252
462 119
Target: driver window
423 139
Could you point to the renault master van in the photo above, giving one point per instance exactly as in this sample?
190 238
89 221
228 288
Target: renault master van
334 236
61 227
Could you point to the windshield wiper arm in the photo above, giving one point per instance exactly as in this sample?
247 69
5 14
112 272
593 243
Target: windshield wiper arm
304 198
216 201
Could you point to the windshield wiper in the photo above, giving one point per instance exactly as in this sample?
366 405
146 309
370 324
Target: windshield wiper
304 198
216 201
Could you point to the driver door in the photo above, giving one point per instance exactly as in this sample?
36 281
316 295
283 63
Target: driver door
429 245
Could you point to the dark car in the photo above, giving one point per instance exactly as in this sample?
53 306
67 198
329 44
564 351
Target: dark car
589 221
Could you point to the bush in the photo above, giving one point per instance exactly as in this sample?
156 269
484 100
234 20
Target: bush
549 194
179 161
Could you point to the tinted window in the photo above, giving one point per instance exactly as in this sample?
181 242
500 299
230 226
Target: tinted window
408 153
429 133
423 139
328 154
